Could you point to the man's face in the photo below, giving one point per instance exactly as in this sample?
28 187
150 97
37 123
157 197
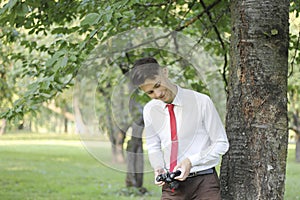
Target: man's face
159 88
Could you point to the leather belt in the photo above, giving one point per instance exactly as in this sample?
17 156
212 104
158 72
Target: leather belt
203 172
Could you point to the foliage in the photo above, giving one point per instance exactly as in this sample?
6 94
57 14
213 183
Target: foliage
44 43
55 37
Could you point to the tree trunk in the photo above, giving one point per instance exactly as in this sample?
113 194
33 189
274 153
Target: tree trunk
118 145
296 129
256 121
65 125
116 135
3 126
80 125
298 148
135 158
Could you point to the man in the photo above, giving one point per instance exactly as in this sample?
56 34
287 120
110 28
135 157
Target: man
183 132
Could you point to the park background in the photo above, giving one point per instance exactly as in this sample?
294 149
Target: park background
44 45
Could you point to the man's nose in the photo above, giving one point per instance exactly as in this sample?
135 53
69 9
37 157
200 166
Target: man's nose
157 93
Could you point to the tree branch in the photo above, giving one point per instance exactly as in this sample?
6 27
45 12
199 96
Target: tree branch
189 10
194 19
167 11
144 43
51 106
154 4
221 42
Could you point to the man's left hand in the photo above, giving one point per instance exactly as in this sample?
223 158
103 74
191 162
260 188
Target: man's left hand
185 167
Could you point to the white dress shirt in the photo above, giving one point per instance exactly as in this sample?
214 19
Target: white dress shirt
200 132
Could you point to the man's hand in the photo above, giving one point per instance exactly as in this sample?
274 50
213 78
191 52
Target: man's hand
156 173
185 167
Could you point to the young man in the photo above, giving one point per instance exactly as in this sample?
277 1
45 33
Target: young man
183 132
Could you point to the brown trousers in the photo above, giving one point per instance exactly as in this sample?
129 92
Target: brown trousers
203 187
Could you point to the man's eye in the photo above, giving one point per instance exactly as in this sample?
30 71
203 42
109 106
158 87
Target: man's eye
150 92
157 85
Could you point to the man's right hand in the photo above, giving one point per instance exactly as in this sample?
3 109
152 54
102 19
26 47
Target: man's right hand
156 173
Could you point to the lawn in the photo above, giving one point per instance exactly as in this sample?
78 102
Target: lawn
63 169
292 183
60 169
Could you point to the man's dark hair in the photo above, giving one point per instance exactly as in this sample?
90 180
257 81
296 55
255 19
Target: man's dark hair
144 68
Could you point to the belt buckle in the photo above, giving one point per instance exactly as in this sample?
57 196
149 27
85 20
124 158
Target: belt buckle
193 174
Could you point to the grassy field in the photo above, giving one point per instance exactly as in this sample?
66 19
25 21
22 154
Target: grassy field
292 183
60 168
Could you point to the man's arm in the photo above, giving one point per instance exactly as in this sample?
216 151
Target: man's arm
153 144
216 133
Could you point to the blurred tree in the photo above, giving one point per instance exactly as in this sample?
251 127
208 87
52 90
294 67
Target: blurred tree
294 75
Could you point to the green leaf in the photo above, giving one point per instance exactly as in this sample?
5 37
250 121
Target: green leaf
61 62
128 14
90 19
22 9
59 30
64 61
93 33
48 96
107 16
55 58
118 15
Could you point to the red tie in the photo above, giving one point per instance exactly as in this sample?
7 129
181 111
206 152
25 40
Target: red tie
174 148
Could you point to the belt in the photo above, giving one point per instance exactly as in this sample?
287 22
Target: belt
203 172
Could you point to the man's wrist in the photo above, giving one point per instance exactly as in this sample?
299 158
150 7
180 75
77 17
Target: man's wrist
194 159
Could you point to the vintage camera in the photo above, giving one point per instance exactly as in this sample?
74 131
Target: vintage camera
169 179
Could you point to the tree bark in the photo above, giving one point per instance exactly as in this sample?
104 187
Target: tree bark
256 120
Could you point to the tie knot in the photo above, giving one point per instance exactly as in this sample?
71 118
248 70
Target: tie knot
170 106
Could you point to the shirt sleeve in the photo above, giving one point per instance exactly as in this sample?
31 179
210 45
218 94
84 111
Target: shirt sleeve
218 139
153 142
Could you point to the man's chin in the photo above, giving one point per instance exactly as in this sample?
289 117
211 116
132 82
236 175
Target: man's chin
167 101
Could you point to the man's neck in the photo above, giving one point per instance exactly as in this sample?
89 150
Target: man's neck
174 90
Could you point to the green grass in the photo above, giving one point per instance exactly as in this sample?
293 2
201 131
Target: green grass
41 136
62 169
32 169
292 183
